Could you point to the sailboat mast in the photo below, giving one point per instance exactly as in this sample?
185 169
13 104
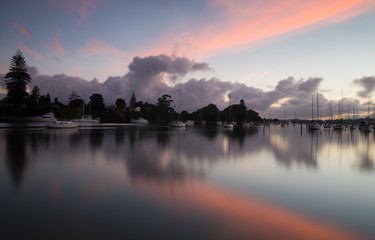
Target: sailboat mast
330 109
312 108
317 105
368 108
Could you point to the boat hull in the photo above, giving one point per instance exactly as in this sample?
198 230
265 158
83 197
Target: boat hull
62 125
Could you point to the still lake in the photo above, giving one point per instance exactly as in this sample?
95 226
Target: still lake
128 182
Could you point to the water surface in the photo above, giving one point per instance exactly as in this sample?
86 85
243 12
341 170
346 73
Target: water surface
127 182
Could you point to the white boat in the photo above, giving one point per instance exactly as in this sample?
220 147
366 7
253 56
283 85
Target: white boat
139 121
228 125
338 126
219 123
86 119
247 124
177 124
48 117
63 124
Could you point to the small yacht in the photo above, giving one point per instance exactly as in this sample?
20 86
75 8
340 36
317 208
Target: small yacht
86 119
139 121
338 126
228 125
48 117
177 124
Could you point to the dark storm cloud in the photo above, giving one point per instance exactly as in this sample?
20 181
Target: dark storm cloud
298 92
199 93
368 83
145 71
200 67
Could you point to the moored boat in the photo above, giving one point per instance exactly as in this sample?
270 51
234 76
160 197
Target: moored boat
338 126
63 124
228 125
86 119
177 124
139 121
48 117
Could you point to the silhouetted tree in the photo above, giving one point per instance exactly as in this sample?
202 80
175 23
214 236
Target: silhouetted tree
33 101
57 103
209 113
35 93
45 103
97 104
75 101
242 102
164 106
120 103
16 80
133 101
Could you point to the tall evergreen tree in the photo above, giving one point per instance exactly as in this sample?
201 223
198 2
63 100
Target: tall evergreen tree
133 101
16 80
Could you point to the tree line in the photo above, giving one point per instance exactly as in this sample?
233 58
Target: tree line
20 104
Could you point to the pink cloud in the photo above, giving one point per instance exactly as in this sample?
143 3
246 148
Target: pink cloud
55 47
96 47
21 29
244 23
34 54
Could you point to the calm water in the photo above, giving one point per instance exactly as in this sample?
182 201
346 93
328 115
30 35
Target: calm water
195 183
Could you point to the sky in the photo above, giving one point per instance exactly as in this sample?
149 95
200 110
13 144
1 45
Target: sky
273 54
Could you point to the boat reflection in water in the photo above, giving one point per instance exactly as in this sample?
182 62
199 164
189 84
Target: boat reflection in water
143 182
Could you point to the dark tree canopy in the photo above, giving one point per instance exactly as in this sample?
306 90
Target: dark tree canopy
242 102
75 101
97 104
164 102
120 103
16 80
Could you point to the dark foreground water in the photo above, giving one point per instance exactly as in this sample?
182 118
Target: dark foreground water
196 183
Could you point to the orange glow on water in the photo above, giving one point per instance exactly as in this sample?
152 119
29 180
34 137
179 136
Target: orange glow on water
241 217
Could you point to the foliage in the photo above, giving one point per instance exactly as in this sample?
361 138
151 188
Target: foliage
75 101
113 117
120 103
164 108
97 104
45 103
16 80
208 114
